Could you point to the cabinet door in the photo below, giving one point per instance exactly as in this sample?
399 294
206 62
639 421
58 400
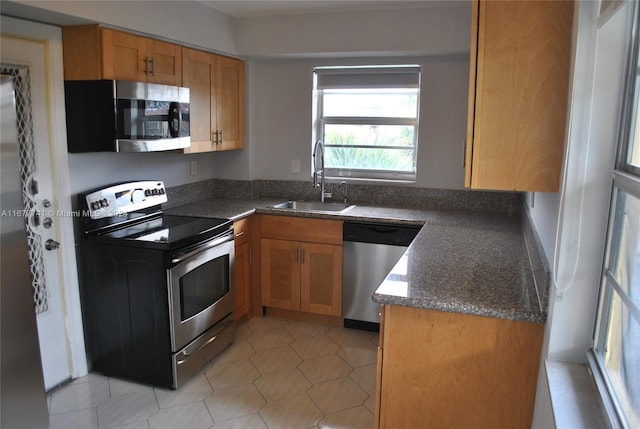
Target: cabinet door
165 63
518 94
242 270
230 102
321 279
280 274
198 74
123 56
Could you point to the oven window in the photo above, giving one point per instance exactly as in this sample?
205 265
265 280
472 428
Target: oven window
203 286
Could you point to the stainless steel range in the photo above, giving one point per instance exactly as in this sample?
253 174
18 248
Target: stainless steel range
157 290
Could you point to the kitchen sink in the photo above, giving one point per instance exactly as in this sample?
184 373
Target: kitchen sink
314 206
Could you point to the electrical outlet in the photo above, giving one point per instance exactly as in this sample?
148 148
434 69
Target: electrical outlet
295 166
194 168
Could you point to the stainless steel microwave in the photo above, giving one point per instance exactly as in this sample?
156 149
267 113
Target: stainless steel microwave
123 116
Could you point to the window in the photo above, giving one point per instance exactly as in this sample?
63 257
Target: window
615 357
367 118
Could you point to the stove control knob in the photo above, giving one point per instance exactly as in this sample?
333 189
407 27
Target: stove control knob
104 202
95 205
147 192
161 191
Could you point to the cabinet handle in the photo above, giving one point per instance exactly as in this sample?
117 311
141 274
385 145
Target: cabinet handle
146 66
464 154
221 140
241 233
250 257
302 257
152 66
296 255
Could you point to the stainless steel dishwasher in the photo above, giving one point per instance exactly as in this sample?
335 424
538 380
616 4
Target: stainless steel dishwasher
370 252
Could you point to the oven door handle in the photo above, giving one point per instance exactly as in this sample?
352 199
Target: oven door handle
206 246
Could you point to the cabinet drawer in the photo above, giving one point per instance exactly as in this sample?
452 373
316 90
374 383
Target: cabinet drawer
241 230
301 229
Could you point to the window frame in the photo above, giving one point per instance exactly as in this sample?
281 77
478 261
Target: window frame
625 178
320 121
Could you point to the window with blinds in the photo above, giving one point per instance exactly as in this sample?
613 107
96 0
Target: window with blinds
367 118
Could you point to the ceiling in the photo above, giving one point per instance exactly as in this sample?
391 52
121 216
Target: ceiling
248 8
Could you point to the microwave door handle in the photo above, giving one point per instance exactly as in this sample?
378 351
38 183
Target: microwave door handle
174 119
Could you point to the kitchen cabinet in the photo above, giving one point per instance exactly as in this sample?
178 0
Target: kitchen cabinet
217 100
518 90
455 370
93 52
301 264
242 267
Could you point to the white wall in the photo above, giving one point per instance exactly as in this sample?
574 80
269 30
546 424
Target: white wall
92 170
188 22
543 208
280 110
283 50
432 29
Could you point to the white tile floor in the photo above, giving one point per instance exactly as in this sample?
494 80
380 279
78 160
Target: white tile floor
278 374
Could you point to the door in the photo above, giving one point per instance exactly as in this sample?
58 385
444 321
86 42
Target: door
32 54
198 74
230 101
280 274
321 279
165 62
124 56
22 396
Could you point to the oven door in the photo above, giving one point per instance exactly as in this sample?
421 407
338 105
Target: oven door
201 289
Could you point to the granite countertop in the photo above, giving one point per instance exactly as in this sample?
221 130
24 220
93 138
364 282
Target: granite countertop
471 263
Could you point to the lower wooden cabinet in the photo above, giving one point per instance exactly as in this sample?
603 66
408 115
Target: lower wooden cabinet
305 273
302 276
242 267
449 370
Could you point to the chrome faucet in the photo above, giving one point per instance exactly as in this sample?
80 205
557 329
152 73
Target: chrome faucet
344 194
318 169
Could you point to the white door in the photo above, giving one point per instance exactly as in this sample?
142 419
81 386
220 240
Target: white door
29 53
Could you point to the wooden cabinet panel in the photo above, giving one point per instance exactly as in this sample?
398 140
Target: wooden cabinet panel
462 371
242 283
301 264
93 52
518 94
124 56
321 279
242 267
280 274
198 74
230 101
82 52
302 229
165 61
217 100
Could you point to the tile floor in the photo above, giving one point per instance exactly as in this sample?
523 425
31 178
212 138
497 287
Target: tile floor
278 374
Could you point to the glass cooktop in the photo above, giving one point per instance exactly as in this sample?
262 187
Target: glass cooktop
170 230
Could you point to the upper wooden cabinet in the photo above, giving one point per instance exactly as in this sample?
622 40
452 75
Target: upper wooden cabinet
217 100
520 54
93 52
